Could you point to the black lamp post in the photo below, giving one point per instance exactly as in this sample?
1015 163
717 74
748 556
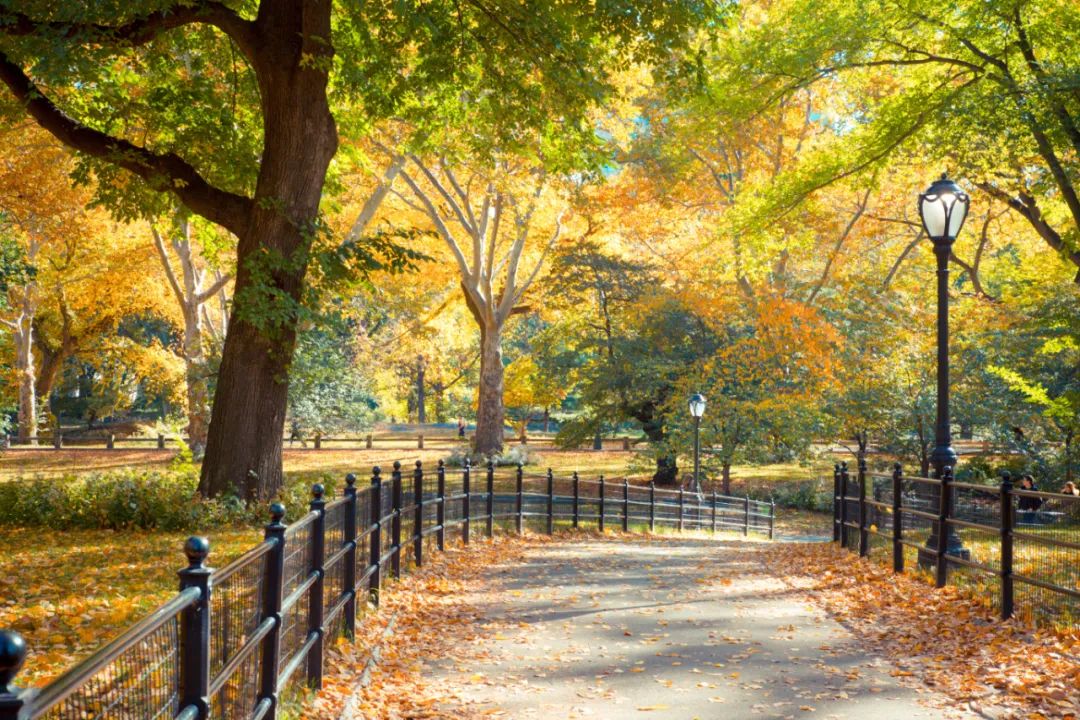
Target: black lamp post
943 208
697 409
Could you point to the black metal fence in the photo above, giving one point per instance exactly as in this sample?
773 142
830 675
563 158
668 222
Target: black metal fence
1016 550
234 639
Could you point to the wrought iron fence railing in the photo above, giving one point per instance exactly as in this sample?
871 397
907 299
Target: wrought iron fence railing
234 639
1017 550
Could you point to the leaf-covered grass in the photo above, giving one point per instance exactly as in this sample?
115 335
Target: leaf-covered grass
68 593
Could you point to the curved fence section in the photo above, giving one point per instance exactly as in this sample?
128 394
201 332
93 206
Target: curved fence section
233 640
1016 550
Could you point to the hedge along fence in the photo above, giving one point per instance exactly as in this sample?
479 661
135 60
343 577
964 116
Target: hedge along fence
1019 549
233 640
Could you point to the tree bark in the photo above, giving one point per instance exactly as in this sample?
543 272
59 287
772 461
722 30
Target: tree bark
490 415
421 413
725 478
244 444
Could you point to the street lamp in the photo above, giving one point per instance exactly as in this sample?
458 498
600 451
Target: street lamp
697 409
943 208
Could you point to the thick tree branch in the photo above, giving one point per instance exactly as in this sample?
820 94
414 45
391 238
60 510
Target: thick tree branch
140 30
166 173
1029 210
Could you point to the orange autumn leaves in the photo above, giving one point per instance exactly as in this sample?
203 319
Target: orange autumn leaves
942 638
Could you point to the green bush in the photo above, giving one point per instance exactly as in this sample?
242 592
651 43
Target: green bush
801 495
140 499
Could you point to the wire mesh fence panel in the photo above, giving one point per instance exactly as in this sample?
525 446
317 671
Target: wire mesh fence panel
1046 557
976 520
879 517
334 519
239 693
142 682
236 605
298 569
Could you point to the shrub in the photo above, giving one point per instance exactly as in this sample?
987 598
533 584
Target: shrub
512 455
140 499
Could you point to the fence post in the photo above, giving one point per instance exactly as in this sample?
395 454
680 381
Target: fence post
941 565
315 604
746 516
440 507
652 506
681 493
713 521
897 518
838 502
519 498
195 630
418 514
864 529
15 703
550 502
602 508
350 555
395 520
625 505
272 599
318 441
160 442
772 518
367 442
843 505
58 439
490 502
1006 546
110 442
375 579
420 441
465 504
577 499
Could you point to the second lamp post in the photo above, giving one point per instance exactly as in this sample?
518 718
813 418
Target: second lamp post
697 409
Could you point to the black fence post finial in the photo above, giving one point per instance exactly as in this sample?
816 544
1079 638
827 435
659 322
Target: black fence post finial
864 521
603 505
489 501
395 520
898 517
1006 546
14 702
576 508
350 555
273 592
550 502
316 619
375 533
440 507
844 506
195 630
466 491
625 505
418 514
652 505
838 500
519 499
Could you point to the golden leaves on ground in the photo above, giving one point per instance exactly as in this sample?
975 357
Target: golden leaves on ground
70 593
942 638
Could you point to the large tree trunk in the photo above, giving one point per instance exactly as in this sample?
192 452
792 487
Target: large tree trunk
725 476
491 415
243 449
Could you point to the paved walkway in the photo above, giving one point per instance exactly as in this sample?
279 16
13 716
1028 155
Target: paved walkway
673 628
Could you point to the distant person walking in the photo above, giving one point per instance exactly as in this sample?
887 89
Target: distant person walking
460 428
1070 489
